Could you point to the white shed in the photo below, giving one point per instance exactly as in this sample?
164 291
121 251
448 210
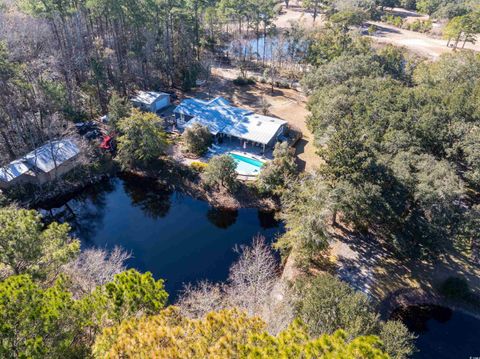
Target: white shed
151 101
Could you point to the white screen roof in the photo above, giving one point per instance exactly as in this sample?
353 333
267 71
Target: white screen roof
13 170
52 154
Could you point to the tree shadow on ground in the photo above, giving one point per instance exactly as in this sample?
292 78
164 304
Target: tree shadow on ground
369 265
299 149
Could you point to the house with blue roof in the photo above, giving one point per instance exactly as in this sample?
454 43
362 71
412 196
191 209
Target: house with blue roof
227 121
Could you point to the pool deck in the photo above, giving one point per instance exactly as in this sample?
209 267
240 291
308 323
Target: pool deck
224 148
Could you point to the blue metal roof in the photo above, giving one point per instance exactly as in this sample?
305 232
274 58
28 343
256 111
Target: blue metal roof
218 113
13 170
220 116
191 107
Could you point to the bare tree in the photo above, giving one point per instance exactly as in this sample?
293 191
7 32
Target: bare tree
252 277
197 300
95 267
253 285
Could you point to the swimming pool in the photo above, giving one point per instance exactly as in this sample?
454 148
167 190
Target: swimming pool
247 165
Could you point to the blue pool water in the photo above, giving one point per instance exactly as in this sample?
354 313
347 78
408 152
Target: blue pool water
246 165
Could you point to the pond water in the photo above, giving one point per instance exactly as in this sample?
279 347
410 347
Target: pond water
174 236
442 333
276 47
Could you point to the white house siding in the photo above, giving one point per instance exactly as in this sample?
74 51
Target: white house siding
162 102
151 101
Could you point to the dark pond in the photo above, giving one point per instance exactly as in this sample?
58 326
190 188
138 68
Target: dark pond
442 333
176 237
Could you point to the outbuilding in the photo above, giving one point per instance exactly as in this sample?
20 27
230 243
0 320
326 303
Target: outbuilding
151 101
44 164
53 159
15 173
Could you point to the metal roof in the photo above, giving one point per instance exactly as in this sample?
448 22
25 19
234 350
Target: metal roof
256 128
212 126
215 114
191 107
52 154
221 117
148 97
13 170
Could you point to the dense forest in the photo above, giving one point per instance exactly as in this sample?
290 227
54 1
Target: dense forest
61 60
397 142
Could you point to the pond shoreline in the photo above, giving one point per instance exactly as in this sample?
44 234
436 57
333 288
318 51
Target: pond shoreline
61 193
173 175
413 297
182 179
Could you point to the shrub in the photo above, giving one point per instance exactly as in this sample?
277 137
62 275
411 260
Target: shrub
455 288
242 81
419 26
282 84
372 29
393 20
409 4
198 166
197 138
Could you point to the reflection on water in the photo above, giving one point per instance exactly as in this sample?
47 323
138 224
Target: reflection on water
267 219
147 194
222 218
416 317
84 211
278 47
442 333
174 236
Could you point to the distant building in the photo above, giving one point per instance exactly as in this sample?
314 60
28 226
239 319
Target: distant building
41 165
225 120
151 101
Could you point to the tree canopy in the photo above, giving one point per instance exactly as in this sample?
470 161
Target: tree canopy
29 247
225 334
281 170
197 139
395 137
221 171
142 139
48 322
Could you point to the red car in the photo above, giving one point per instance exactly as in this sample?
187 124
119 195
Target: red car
107 143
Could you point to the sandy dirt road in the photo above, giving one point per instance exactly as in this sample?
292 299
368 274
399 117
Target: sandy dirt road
418 43
425 45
